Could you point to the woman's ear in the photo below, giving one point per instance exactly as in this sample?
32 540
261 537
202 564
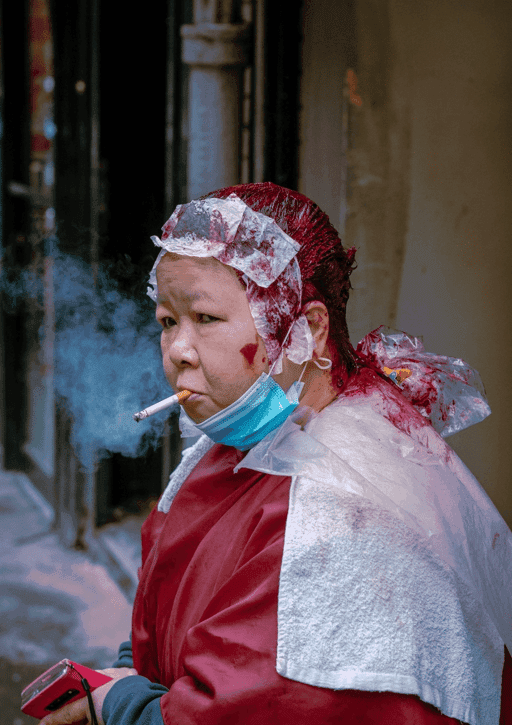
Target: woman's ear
318 320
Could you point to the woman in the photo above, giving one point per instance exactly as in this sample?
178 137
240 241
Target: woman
331 561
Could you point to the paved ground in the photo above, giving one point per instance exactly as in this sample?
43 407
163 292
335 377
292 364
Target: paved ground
54 602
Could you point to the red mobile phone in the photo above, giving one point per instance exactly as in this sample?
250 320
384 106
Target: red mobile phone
58 686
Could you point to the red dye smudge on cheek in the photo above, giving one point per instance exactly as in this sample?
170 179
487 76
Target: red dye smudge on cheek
249 352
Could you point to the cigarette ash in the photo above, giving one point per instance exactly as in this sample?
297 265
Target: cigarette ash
107 358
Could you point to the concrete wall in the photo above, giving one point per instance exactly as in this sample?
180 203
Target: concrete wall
457 271
354 159
320 120
428 186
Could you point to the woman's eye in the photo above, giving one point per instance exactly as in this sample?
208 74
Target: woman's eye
207 318
167 322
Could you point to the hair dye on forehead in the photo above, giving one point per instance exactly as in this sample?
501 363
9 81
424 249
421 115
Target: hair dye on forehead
252 243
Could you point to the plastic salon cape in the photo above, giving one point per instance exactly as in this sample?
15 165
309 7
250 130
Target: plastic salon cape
253 607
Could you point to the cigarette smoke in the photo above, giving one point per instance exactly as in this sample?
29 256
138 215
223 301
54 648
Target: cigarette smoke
107 355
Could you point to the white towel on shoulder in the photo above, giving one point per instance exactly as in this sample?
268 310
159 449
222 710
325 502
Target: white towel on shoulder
364 606
364 603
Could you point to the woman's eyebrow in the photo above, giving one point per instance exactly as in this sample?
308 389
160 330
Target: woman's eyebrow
191 296
194 296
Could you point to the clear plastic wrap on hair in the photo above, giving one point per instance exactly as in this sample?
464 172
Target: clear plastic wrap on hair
234 234
445 390
275 310
230 231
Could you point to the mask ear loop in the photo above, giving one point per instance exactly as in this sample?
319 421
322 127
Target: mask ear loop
323 367
303 370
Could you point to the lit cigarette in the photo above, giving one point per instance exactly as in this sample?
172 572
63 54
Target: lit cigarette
162 405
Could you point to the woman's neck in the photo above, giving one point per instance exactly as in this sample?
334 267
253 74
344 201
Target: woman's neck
318 393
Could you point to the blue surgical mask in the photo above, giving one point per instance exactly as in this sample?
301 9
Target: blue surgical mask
260 410
244 423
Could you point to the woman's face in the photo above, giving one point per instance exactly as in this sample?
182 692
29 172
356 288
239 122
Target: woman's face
209 342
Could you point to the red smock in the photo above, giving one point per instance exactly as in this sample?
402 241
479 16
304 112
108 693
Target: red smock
205 613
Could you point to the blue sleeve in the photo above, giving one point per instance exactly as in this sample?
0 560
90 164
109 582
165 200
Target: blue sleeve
133 700
124 655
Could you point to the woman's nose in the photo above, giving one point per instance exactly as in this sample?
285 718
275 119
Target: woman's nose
181 349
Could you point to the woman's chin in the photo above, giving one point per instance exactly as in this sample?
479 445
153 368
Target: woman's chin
196 409
200 407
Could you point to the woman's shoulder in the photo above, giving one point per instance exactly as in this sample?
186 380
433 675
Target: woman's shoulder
376 410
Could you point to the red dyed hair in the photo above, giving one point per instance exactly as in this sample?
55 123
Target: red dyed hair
324 264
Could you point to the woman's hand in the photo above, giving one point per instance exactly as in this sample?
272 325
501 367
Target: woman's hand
78 711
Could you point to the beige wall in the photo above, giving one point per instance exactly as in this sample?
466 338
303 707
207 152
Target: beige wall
457 270
320 121
429 205
376 135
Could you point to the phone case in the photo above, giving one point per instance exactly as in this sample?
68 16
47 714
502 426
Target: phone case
59 686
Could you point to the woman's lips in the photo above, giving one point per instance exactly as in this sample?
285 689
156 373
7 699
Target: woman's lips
194 396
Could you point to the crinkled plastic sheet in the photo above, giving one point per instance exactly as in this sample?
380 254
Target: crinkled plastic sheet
236 235
442 501
233 233
445 390
275 311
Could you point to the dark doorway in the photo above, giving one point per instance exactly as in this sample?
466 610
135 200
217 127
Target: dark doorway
133 50
16 208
